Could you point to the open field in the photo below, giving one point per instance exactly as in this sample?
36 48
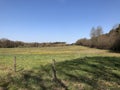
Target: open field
78 68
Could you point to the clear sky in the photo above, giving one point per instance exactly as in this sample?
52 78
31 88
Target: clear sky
56 20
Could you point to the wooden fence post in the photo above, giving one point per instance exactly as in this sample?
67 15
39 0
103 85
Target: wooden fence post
54 71
54 76
15 64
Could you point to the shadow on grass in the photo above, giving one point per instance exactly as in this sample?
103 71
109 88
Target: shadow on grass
114 51
95 73
92 69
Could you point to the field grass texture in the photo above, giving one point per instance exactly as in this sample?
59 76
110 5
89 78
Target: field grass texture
77 68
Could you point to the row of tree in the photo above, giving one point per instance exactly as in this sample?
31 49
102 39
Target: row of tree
5 43
99 40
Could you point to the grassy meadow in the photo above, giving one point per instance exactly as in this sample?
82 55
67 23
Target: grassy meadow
78 68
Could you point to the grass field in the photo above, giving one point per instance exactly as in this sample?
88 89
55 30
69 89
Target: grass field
78 68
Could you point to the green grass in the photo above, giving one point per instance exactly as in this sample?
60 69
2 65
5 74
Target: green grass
78 68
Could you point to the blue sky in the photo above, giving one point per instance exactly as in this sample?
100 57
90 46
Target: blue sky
56 20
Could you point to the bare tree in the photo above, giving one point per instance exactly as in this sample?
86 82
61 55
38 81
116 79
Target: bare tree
99 31
92 33
96 32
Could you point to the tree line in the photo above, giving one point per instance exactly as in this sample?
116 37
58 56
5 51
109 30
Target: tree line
6 43
99 40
